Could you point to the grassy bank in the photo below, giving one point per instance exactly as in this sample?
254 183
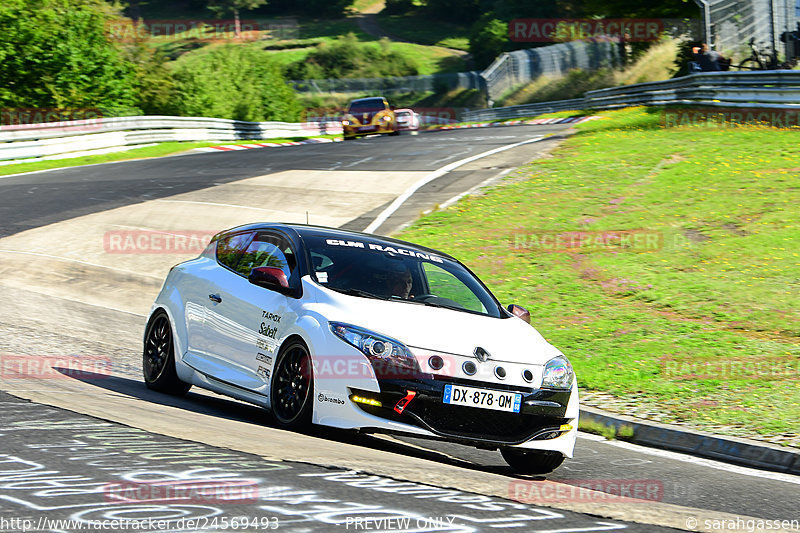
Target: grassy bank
691 316
656 64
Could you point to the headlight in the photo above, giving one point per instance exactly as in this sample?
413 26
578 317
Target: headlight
386 118
376 347
558 374
345 123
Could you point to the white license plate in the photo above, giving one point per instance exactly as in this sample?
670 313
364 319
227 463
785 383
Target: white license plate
482 398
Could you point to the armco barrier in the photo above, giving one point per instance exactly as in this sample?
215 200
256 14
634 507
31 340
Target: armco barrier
42 140
772 88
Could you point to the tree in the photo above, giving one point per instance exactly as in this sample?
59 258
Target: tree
221 7
487 40
56 53
234 82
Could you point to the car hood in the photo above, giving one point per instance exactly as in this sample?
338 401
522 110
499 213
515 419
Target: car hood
424 328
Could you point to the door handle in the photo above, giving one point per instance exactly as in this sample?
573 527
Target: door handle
215 298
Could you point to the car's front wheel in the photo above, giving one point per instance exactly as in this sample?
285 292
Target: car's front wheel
158 359
292 386
532 462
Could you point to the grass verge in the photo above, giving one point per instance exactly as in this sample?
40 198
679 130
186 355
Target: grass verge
160 150
692 318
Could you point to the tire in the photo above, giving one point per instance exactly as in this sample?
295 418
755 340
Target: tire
532 462
292 387
158 357
394 133
349 137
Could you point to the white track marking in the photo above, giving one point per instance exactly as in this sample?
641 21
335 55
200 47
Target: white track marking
400 200
482 184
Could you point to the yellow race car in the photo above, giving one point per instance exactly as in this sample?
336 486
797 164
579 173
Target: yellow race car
365 116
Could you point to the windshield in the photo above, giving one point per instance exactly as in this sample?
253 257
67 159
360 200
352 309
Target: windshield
367 106
374 269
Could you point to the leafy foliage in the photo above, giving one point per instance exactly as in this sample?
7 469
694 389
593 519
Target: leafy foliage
487 41
55 53
348 58
234 82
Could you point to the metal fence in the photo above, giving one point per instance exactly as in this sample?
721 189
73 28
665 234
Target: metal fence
771 89
431 82
506 72
43 140
732 23
522 66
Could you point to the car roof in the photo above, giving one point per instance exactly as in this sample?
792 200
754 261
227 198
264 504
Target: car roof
309 230
380 98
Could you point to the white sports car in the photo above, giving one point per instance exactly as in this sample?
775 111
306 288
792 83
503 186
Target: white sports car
352 330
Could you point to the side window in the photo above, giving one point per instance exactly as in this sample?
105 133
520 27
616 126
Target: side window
445 285
229 249
268 249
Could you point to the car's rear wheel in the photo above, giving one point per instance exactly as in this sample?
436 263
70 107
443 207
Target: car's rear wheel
532 461
158 359
293 386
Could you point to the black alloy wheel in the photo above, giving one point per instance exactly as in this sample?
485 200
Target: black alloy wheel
158 359
292 387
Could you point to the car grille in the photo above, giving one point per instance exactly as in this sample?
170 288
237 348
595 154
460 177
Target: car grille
480 424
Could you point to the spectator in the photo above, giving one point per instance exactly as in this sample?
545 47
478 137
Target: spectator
708 59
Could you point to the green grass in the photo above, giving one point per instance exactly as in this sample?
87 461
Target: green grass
160 150
430 59
703 328
624 432
657 63
422 29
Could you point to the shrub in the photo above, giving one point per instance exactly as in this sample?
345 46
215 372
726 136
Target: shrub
234 82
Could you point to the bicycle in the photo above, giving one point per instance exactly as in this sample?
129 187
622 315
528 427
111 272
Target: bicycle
765 59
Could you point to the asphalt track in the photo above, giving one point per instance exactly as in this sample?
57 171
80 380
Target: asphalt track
66 294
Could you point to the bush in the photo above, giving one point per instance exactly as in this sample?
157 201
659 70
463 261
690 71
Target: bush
56 53
397 7
346 57
487 40
234 82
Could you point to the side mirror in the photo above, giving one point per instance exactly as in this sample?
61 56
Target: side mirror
521 312
271 278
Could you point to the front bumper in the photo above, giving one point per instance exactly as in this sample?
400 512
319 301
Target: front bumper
542 416
367 129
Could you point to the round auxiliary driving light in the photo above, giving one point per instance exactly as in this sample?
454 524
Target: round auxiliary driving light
527 375
500 372
469 368
435 362
377 348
